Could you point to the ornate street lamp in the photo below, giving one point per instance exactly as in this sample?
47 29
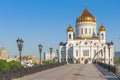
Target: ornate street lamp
51 49
40 50
57 54
109 56
20 45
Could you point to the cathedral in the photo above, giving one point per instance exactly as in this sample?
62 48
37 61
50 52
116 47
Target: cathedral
3 53
86 44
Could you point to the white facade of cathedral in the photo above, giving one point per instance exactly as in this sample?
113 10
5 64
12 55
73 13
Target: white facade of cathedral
85 44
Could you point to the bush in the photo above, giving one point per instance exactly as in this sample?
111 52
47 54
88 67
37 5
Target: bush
4 65
48 62
117 60
14 64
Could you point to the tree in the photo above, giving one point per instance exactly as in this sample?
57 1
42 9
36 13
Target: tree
13 64
4 65
47 62
117 60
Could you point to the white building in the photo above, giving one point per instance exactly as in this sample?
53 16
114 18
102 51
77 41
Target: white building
4 53
49 56
86 44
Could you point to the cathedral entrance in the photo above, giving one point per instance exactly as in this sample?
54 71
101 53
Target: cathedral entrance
85 61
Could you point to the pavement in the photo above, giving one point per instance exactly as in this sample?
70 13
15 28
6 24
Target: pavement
71 72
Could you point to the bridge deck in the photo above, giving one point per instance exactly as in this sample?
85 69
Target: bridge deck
68 72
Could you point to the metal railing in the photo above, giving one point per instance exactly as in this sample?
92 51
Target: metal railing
106 66
15 73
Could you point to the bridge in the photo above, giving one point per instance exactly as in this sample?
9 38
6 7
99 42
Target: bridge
72 72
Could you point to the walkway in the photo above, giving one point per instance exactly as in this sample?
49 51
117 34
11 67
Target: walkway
68 72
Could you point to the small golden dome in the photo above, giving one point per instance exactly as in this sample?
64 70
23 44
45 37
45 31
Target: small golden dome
69 29
102 28
86 16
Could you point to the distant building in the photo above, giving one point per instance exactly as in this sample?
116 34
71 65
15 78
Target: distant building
3 53
29 60
50 57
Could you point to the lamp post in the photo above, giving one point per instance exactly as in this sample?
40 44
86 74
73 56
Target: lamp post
40 50
57 54
51 49
109 56
20 45
44 56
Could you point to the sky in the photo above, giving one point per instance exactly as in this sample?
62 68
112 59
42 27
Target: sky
45 22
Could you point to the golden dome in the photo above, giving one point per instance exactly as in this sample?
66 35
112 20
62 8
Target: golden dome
102 28
86 16
69 29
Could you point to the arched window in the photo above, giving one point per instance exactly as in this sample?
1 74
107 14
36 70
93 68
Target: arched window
76 53
82 31
102 35
78 31
90 31
69 36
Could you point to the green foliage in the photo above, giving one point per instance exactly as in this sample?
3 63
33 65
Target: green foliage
116 60
4 65
48 62
14 64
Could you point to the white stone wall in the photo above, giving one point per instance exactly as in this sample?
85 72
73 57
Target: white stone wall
47 56
95 48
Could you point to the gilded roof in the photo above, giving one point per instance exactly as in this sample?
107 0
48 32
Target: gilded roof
69 29
102 28
86 16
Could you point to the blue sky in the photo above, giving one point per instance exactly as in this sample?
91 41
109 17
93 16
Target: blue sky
45 22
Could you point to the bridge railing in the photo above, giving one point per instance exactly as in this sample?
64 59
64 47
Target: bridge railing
20 72
106 66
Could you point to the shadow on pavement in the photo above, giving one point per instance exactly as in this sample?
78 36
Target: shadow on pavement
78 75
